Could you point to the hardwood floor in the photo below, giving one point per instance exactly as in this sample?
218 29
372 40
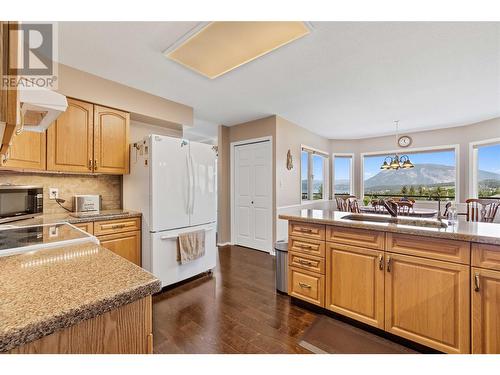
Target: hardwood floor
237 310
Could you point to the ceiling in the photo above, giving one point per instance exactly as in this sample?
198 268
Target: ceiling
345 80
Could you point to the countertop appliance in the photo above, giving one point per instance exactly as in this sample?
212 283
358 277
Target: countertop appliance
20 239
173 183
18 202
87 203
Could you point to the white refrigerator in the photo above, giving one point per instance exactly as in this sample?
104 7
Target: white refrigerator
173 183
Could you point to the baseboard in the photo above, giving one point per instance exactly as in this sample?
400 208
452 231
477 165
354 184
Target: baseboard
224 244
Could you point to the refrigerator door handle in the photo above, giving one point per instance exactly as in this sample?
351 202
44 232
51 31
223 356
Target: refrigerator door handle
188 164
193 195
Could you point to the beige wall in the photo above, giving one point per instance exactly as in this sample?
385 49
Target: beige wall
285 184
108 186
143 107
293 137
265 127
460 136
139 130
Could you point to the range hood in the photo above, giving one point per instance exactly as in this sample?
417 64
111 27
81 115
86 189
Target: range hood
40 108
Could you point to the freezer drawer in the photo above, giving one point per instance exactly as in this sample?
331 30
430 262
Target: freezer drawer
164 264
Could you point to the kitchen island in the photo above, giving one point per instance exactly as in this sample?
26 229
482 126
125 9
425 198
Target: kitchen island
75 299
423 280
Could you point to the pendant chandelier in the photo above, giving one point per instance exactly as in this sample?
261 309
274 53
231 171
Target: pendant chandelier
397 161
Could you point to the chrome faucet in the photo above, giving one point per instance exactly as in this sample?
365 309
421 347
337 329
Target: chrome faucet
390 206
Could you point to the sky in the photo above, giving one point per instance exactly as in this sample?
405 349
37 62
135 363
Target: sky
317 166
342 167
489 158
373 163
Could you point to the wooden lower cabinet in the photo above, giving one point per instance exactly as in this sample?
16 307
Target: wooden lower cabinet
355 283
485 286
86 227
306 285
428 301
127 245
125 330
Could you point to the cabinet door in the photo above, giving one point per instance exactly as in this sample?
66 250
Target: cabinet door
485 311
27 151
355 283
428 301
127 245
111 143
70 139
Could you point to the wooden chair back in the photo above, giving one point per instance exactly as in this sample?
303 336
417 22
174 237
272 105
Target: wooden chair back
482 210
378 208
404 208
353 205
343 202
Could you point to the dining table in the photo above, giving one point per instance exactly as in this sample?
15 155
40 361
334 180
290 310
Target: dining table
415 212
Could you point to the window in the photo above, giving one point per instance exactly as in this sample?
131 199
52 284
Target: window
342 175
433 176
486 170
314 174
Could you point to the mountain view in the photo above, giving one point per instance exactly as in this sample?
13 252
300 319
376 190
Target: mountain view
425 179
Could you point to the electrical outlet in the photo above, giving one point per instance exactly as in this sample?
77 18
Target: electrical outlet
53 193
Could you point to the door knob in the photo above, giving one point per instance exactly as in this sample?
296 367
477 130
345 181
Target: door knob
251 202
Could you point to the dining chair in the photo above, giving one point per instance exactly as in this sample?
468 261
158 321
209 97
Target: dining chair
377 207
482 210
353 205
343 202
404 208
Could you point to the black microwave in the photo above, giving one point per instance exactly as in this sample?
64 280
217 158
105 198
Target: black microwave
19 202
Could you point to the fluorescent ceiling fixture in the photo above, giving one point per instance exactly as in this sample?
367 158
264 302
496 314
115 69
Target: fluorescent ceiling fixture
218 47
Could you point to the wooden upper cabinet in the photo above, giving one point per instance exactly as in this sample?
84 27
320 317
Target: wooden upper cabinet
355 283
428 301
27 151
485 311
70 139
111 144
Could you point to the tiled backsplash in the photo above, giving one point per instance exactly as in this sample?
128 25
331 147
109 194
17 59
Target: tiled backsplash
109 187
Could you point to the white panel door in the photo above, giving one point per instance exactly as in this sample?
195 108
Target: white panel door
204 196
170 183
253 195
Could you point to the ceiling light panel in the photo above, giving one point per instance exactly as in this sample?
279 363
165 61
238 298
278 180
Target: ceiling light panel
220 47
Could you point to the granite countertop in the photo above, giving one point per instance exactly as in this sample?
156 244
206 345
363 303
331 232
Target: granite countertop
51 289
488 233
68 218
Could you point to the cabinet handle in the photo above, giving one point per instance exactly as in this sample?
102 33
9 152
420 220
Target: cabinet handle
90 164
305 262
389 263
476 283
305 246
302 285
380 262
118 226
305 230
95 165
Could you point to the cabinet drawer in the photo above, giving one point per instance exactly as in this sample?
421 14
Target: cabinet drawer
306 285
116 226
433 248
314 231
486 256
87 227
306 262
127 245
355 237
306 246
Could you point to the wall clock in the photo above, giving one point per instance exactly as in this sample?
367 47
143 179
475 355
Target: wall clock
404 141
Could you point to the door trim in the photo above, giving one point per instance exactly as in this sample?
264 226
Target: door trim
231 189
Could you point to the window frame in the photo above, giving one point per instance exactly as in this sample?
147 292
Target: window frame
351 170
409 151
474 163
326 163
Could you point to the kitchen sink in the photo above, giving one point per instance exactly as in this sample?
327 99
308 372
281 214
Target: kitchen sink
425 223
